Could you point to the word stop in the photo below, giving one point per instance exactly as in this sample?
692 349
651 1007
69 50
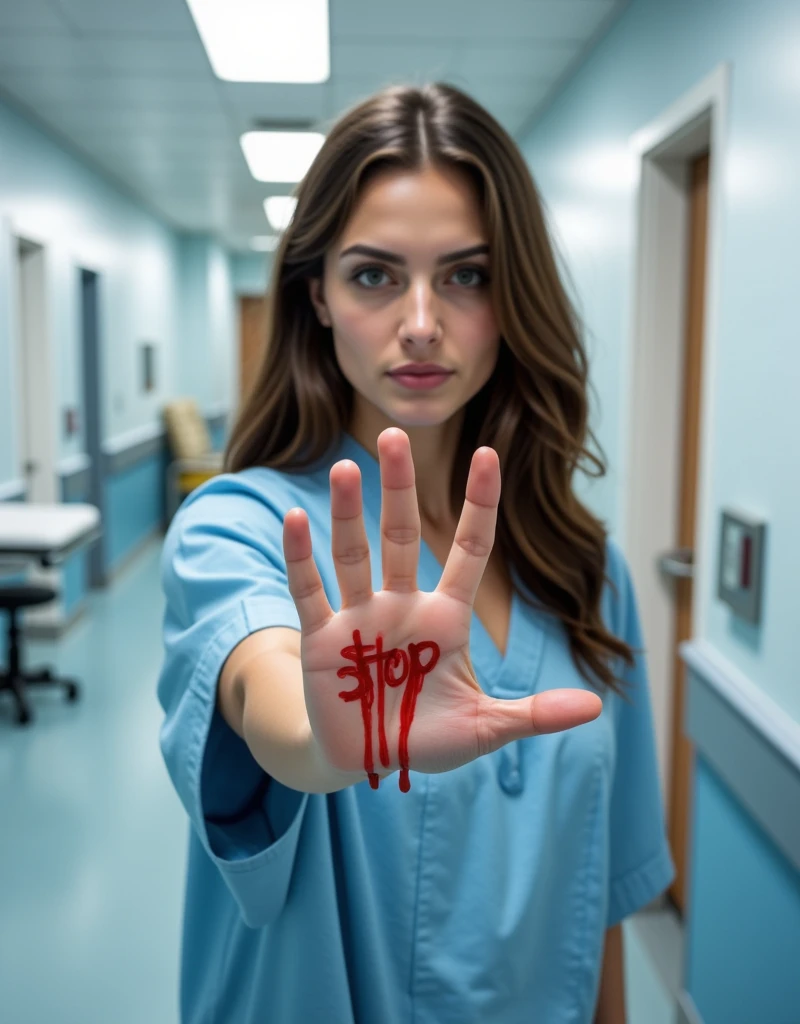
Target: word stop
395 667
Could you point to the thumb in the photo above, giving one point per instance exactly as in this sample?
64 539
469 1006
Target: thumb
551 711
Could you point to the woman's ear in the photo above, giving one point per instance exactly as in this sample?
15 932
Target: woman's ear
318 300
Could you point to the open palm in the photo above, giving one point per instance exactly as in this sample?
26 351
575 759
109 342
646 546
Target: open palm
388 679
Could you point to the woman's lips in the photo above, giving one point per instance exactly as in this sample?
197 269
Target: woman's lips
420 381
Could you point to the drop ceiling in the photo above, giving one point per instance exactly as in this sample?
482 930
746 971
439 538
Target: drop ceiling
128 86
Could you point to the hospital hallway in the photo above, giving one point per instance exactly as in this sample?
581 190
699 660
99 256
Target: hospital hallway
93 836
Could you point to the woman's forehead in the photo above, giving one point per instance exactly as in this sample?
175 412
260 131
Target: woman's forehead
414 211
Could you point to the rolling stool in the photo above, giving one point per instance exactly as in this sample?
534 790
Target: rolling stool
12 598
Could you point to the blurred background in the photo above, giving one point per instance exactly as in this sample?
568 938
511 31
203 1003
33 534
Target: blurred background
148 154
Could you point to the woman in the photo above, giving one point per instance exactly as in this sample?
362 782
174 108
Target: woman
431 804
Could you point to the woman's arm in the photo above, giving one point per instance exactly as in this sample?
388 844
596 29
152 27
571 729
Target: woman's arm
611 1001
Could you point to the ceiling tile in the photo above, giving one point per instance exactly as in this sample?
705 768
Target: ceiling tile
385 59
143 17
452 21
36 52
500 97
104 90
200 124
249 101
504 60
31 16
169 55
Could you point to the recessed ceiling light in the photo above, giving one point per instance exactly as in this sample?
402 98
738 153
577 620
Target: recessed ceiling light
280 156
264 243
279 210
265 40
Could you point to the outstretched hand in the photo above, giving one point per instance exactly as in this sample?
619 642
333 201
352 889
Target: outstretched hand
391 671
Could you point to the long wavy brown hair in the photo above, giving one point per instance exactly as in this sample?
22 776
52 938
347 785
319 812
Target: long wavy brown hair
533 410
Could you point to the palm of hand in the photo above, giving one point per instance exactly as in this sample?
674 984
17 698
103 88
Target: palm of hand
403 658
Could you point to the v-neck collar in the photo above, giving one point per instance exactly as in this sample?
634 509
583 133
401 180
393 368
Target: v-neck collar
510 675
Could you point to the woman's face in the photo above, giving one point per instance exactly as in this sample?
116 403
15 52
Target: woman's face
417 301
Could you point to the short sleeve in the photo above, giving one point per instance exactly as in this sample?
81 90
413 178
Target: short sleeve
640 860
223 576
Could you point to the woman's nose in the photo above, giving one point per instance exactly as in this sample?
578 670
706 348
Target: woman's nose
420 321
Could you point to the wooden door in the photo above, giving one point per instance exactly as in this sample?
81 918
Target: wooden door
252 337
682 753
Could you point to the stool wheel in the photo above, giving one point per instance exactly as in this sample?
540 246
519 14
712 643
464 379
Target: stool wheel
24 716
72 691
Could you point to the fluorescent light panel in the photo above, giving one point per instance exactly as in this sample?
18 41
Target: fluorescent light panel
280 156
279 210
265 40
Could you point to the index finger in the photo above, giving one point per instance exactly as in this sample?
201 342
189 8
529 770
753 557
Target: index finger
474 538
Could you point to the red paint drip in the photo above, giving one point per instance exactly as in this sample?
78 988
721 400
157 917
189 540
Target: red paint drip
411 669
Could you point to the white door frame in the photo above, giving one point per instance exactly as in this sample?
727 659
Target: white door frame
35 413
653 370
36 400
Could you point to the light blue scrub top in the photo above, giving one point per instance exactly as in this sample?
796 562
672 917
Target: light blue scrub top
482 895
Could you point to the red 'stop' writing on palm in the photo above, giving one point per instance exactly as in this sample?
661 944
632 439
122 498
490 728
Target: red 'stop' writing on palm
395 667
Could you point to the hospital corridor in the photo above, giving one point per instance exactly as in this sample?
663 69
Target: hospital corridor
554 243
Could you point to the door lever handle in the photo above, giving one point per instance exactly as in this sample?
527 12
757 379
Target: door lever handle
679 562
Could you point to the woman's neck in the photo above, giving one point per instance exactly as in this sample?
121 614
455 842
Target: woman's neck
433 449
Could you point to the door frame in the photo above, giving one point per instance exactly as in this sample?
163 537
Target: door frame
34 367
89 284
653 371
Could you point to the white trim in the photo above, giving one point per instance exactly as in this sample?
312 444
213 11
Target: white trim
755 706
138 435
12 489
72 464
652 367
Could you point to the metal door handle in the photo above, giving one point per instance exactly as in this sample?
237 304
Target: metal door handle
679 562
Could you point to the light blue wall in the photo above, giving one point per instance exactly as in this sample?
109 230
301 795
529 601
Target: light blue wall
654 54
742 953
156 285
743 912
250 271
46 194
206 339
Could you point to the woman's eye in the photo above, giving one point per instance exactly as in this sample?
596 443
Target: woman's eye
368 270
482 276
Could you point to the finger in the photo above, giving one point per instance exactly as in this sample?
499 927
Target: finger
474 537
305 583
400 522
349 543
551 711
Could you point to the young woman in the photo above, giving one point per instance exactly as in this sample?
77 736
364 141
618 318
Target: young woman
407 709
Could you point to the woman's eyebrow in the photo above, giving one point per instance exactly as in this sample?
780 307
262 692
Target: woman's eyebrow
393 257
